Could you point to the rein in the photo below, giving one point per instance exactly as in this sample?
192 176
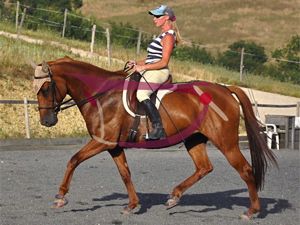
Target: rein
57 107
126 69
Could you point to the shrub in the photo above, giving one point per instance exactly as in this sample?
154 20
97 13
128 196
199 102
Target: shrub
287 70
193 53
254 56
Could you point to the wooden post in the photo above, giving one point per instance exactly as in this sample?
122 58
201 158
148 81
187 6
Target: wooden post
242 64
138 46
292 121
298 111
21 23
93 38
298 118
27 129
17 15
256 109
65 22
108 46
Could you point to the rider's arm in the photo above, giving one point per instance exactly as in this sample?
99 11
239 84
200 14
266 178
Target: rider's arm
168 44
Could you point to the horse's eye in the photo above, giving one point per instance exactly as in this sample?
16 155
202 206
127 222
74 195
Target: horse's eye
45 91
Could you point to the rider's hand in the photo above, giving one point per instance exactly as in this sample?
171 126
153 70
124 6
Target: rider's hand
131 63
139 68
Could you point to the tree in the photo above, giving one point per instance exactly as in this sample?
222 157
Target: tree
58 4
254 57
287 66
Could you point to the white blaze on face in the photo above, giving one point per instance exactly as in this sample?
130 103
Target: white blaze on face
38 83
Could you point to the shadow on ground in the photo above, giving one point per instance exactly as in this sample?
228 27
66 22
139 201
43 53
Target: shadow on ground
207 202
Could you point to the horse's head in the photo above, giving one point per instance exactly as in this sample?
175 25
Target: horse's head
50 93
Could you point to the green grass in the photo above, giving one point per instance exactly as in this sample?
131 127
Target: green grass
13 62
215 23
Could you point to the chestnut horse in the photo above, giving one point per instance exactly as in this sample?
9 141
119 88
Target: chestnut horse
98 95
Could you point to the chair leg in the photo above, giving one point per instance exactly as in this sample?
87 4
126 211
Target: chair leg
277 141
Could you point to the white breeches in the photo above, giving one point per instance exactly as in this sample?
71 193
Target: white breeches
154 78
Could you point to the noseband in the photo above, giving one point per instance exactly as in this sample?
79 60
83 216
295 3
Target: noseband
60 106
56 106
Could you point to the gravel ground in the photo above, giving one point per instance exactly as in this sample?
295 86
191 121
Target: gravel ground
30 177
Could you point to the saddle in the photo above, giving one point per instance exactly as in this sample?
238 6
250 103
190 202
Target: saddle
134 105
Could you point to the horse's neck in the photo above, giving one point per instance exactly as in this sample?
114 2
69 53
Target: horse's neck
84 84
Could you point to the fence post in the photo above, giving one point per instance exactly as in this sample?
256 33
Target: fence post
138 46
27 129
256 109
93 38
298 111
108 46
242 64
21 23
65 22
17 15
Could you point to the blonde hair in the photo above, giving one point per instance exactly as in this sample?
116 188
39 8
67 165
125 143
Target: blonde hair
178 36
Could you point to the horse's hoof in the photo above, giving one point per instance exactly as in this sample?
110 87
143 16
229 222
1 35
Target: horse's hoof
172 202
246 216
126 211
59 202
130 209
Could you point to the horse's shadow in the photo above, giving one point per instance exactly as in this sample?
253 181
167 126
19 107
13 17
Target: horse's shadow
210 202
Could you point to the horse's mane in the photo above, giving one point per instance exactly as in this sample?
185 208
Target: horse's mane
80 65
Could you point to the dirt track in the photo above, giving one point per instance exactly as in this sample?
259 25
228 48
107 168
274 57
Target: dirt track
30 179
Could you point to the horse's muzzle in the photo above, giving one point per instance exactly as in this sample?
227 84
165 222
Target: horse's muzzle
49 120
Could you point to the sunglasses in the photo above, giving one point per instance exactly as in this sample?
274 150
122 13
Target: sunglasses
158 16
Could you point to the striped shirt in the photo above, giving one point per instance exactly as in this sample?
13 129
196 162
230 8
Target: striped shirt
155 48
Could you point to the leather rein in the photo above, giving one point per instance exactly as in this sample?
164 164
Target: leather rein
56 106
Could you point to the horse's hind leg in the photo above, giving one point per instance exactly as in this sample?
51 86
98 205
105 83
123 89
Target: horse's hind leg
89 150
238 161
119 157
202 165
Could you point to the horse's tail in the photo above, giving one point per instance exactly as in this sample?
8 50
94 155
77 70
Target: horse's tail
260 153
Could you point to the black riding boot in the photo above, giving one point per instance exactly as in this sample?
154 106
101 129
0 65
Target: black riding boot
158 131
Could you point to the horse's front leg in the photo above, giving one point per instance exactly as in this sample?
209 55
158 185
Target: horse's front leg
119 157
88 151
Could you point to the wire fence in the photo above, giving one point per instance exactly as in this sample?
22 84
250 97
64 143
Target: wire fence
63 26
28 130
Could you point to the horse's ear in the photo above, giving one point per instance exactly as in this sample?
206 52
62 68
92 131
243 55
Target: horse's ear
68 58
32 64
45 67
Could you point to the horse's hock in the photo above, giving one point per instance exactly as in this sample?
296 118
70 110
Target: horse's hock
288 129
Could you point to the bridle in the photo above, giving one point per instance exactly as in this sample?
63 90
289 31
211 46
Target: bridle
60 106
56 106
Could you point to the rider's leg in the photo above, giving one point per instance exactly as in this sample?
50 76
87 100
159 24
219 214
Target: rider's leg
158 131
154 78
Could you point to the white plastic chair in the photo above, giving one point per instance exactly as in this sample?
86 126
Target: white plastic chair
271 130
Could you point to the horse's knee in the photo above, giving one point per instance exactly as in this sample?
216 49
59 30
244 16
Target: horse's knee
247 173
73 162
201 172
